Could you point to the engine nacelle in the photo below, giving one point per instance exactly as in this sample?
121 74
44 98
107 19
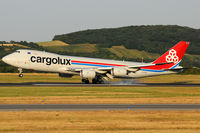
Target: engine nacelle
119 72
87 74
65 75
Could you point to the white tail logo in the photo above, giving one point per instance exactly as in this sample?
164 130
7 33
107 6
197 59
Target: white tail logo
172 57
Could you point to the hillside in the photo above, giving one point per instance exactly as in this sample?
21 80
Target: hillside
117 53
9 47
93 50
119 44
52 43
153 39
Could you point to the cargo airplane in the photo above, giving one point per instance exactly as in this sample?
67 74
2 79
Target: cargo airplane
97 70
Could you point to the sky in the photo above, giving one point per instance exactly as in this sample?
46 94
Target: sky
40 20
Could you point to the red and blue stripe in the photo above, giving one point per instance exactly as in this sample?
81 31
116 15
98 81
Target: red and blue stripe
86 63
148 68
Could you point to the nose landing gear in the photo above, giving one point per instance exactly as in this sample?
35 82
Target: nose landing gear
20 72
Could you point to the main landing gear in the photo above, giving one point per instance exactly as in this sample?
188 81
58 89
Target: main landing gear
96 80
20 72
85 81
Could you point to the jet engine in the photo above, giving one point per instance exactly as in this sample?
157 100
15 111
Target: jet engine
87 74
65 75
119 72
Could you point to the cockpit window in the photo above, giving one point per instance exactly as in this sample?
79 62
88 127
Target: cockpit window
17 51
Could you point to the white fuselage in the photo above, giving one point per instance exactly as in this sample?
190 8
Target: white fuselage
50 62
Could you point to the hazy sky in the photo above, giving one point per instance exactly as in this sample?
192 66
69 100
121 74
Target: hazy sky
40 20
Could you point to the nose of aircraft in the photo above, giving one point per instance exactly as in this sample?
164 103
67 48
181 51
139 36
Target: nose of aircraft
6 59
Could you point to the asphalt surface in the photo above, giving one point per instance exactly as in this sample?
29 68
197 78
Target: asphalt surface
82 107
178 84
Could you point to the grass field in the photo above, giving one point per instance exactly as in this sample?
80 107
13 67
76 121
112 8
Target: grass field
52 43
121 51
51 77
100 122
77 48
56 95
97 95
35 77
172 79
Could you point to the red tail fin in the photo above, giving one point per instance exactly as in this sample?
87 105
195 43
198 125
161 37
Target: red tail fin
175 54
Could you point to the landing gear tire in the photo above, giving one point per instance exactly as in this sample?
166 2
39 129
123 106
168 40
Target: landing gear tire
21 75
94 81
85 81
97 81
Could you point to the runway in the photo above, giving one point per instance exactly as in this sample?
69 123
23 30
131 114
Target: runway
112 84
84 107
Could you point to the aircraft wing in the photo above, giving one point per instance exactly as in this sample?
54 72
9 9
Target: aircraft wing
136 67
106 71
149 64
